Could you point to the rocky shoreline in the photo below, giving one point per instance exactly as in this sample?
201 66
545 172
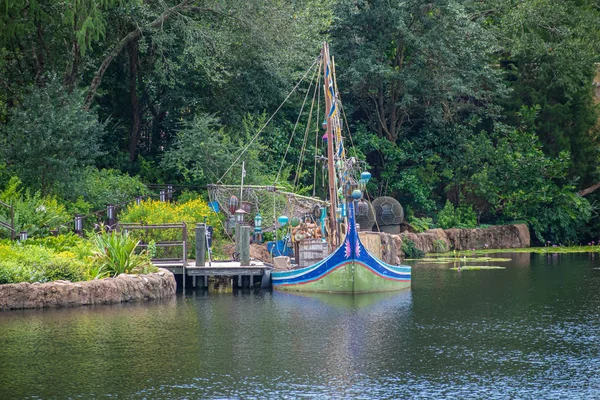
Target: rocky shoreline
388 247
121 289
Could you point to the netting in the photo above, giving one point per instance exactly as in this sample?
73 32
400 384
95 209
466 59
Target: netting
270 201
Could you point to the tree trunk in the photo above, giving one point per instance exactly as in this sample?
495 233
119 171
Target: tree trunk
135 102
130 37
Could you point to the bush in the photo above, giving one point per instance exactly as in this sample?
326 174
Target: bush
154 212
114 254
32 212
410 250
439 246
421 224
461 217
106 186
32 262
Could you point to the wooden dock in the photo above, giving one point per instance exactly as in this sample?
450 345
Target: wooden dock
216 268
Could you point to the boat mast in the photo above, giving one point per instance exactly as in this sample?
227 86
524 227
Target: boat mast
330 153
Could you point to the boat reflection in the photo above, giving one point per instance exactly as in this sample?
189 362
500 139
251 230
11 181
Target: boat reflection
387 300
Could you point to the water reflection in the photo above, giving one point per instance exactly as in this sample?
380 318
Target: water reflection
530 331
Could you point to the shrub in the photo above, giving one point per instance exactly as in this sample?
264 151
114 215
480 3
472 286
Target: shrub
31 262
191 212
32 212
113 253
421 224
461 217
439 246
410 250
106 186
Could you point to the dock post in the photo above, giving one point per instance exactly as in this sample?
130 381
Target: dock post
184 265
238 229
244 246
200 245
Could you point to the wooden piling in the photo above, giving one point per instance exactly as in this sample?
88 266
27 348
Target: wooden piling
245 246
200 245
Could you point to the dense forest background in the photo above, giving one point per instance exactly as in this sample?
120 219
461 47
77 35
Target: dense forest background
468 112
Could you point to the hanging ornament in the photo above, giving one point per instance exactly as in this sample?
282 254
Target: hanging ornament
233 203
362 208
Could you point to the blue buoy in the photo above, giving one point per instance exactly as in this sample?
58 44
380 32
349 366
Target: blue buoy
283 220
365 175
356 194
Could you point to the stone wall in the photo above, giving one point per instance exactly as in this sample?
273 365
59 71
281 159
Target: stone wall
123 288
389 247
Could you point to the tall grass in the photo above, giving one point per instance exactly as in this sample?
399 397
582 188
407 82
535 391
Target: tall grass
114 253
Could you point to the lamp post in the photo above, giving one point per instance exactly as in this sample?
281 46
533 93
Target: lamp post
22 235
258 228
239 216
110 214
78 224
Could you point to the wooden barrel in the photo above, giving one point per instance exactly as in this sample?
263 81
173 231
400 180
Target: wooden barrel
311 251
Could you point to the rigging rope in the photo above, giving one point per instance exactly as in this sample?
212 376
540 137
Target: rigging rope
296 124
317 135
303 149
269 120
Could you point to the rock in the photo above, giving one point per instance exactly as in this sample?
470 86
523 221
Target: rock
125 287
494 237
439 240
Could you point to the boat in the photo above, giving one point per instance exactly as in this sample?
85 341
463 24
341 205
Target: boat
350 268
344 264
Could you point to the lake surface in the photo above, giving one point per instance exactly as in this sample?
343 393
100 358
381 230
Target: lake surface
529 331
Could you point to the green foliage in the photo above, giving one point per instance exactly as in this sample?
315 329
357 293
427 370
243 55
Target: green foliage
49 137
192 212
524 184
462 216
97 188
421 224
439 246
114 253
410 250
32 212
33 261
561 40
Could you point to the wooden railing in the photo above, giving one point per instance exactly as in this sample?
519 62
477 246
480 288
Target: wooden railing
10 225
173 243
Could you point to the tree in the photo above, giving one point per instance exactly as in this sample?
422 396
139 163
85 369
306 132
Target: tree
48 137
548 51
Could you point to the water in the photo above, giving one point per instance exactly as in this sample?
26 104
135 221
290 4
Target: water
529 331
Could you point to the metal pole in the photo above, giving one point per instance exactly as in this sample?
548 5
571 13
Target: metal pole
242 184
